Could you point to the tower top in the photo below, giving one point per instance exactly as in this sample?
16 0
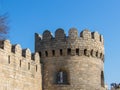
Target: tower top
85 41
72 34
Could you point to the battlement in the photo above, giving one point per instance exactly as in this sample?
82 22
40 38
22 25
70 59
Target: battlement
17 50
73 34
86 43
19 66
21 58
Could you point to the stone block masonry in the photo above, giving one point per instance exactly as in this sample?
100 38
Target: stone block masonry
19 69
73 62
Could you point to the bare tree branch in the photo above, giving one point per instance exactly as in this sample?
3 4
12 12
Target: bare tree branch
3 27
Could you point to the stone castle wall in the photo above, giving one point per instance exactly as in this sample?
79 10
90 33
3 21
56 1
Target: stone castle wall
19 69
81 56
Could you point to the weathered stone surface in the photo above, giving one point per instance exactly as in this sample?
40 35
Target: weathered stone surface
19 72
82 57
77 62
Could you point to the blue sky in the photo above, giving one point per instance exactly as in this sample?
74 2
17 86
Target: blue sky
29 16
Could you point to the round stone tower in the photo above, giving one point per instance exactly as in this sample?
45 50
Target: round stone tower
73 62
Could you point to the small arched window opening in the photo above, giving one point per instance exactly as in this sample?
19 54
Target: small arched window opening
62 77
53 52
68 51
91 52
102 79
77 51
46 53
40 54
61 52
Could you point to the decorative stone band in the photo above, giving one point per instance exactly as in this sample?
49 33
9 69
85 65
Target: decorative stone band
71 52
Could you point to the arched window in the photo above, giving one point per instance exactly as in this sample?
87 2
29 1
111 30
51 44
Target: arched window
77 51
68 51
46 53
61 52
62 77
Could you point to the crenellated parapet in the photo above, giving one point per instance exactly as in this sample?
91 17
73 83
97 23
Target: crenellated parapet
18 58
16 49
84 43
59 34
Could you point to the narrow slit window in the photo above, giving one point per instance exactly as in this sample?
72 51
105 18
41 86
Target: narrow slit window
53 52
61 52
92 35
100 55
46 53
20 63
85 51
91 52
28 66
102 79
36 68
9 59
40 54
97 54
1 44
77 51
100 38
69 51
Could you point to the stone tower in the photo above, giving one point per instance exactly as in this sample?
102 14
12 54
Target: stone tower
73 62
